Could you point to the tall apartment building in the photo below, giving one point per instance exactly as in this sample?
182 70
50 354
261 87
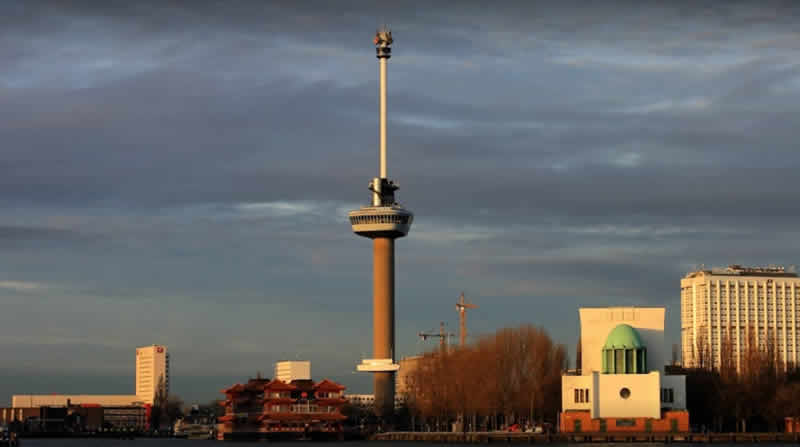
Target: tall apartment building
287 371
737 307
152 363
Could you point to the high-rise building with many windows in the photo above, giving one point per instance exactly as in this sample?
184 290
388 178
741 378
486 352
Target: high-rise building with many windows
738 308
152 364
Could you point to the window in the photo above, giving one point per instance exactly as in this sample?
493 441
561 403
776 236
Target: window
581 395
667 395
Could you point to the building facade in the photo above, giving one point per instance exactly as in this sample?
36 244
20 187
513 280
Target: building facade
75 418
732 309
273 409
65 400
621 386
152 365
360 400
368 400
293 370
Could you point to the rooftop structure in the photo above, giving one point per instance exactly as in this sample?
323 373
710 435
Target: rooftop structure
777 271
600 325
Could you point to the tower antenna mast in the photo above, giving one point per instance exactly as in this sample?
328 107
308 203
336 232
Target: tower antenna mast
383 41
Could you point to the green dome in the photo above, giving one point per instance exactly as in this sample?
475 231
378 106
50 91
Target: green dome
623 337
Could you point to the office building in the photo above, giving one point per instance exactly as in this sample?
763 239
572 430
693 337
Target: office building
152 366
293 370
621 386
732 309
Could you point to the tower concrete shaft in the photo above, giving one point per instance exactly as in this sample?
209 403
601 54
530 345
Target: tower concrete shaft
383 320
383 297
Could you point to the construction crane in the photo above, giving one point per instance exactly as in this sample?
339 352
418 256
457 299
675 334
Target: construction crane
462 307
441 334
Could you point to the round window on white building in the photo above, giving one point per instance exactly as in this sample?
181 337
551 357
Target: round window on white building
624 393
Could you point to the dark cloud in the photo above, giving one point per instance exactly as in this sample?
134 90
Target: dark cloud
181 170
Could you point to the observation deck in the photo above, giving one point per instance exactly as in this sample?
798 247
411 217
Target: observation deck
378 365
392 221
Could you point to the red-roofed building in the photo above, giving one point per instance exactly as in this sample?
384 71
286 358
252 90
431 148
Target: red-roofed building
269 409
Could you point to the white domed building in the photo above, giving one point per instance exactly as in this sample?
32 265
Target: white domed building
620 383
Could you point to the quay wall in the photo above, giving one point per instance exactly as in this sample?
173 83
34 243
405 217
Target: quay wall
538 438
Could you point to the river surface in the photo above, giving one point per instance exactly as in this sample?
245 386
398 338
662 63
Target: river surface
187 443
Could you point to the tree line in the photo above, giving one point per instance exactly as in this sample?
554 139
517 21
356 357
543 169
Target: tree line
511 376
754 393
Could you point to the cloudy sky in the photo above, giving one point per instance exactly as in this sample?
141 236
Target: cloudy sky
180 173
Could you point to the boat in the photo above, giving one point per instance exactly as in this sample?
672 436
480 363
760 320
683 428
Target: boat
186 430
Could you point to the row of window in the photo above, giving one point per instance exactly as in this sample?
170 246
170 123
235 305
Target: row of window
750 305
328 394
380 219
301 408
581 395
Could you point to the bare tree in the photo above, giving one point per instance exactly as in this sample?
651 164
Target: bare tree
702 354
512 375
158 411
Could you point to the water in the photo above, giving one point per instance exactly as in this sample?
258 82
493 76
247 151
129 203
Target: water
187 443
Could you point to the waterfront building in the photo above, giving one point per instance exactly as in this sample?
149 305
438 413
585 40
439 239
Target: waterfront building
621 386
293 370
76 418
152 367
273 409
735 308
